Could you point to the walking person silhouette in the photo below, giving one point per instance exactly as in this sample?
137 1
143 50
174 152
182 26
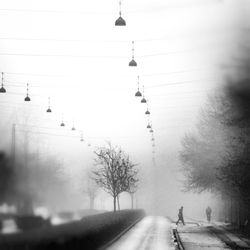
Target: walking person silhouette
180 216
208 213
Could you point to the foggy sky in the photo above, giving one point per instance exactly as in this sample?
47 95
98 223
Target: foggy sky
178 47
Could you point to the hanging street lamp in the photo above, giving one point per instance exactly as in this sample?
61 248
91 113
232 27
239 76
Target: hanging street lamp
81 138
143 100
147 111
49 109
138 93
2 89
120 21
73 126
27 98
62 123
133 63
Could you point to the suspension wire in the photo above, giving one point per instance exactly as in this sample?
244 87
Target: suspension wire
33 74
27 89
120 7
18 84
144 75
175 72
2 79
20 94
99 56
49 102
75 136
42 127
133 50
183 82
60 55
80 40
50 134
53 11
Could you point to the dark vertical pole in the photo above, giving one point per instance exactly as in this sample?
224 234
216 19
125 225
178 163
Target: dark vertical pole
231 210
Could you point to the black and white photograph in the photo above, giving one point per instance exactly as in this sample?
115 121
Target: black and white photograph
124 125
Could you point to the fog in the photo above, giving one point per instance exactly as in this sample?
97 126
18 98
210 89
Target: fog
74 55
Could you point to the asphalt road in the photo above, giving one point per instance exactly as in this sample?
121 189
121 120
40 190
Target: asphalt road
151 233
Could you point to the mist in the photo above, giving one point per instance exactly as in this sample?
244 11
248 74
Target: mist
91 91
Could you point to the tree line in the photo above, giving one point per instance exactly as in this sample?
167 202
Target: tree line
29 184
216 156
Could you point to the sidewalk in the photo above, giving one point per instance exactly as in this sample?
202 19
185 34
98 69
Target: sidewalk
212 236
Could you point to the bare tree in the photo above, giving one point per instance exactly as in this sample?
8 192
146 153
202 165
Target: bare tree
132 190
130 179
116 172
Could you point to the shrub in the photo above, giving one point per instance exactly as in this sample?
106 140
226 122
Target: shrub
91 233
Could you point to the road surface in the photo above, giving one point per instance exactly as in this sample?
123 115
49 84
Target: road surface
151 233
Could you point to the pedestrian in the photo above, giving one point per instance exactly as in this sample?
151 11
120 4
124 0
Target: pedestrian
208 213
180 216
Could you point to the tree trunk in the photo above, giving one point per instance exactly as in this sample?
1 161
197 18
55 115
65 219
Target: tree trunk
114 202
132 200
118 202
238 214
231 210
91 202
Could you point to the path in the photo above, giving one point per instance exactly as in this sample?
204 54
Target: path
151 233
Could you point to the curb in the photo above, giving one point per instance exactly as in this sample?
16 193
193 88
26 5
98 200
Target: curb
178 240
222 236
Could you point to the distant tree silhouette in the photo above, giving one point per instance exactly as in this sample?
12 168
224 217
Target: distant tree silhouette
6 178
90 187
217 156
115 172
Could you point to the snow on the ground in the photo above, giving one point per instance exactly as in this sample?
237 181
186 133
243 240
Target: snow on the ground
196 237
152 233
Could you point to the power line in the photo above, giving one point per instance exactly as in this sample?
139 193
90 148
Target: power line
60 55
98 56
88 137
15 93
81 40
173 72
42 127
176 83
53 11
34 74
143 75
56 11
46 133
35 85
